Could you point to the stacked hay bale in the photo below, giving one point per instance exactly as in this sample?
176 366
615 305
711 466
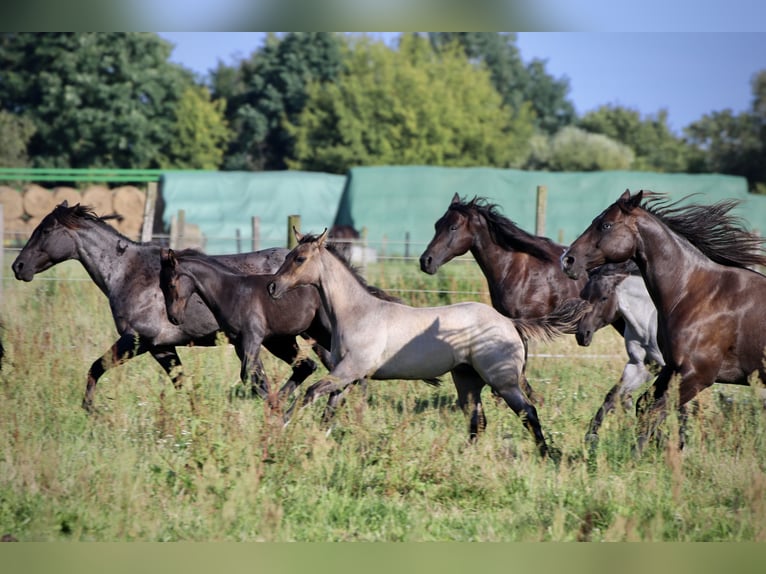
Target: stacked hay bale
23 210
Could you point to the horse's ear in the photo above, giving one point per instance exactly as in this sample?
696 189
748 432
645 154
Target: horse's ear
298 234
455 199
322 238
628 202
64 203
167 257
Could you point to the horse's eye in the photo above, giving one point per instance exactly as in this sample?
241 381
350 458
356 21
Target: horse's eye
300 260
605 226
453 227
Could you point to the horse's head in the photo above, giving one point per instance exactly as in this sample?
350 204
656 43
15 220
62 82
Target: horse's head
301 266
51 242
176 286
611 238
452 237
600 292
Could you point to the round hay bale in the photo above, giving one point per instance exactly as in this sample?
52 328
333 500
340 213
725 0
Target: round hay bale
31 224
38 201
69 194
13 205
129 202
99 199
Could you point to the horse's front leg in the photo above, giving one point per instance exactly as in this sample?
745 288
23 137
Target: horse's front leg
125 348
287 349
634 375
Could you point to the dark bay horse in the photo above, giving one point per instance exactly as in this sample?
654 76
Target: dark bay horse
128 273
244 311
695 260
523 271
617 291
385 340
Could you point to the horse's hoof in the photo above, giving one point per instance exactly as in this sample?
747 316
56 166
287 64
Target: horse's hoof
87 406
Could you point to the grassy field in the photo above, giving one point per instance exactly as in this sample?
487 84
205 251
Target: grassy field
199 464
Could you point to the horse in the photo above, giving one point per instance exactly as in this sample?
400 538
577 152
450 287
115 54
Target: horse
243 310
384 340
127 272
695 260
522 270
617 291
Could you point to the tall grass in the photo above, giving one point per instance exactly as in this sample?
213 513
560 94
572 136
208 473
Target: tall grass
155 464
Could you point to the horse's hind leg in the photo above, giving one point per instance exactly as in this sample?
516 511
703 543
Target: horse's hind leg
469 384
125 348
515 398
169 360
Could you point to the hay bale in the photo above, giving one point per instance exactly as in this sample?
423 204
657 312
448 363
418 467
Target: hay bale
98 198
13 205
129 202
38 201
69 194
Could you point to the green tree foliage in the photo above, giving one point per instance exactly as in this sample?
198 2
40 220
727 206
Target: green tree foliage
17 132
408 106
95 99
270 87
574 149
519 84
725 142
655 146
200 132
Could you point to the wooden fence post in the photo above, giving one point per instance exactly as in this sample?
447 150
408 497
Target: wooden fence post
293 221
238 236
177 225
256 225
149 206
2 250
542 202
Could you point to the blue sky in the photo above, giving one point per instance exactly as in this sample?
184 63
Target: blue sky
688 74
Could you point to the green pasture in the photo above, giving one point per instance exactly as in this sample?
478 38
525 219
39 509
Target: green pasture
200 464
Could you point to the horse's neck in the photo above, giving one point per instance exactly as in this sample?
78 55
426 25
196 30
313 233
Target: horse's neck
493 260
340 291
213 284
105 255
665 260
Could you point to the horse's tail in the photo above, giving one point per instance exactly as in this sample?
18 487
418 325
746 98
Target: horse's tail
562 320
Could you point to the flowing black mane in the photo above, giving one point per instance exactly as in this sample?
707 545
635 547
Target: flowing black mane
627 267
72 217
720 236
506 233
333 249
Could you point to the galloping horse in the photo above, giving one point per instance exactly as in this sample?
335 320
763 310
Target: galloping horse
710 306
523 272
386 340
243 310
617 291
128 274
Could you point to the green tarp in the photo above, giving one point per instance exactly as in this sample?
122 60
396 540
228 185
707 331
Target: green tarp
394 203
221 203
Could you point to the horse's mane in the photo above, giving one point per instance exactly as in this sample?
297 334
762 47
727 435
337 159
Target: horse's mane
506 233
333 249
718 234
72 217
627 267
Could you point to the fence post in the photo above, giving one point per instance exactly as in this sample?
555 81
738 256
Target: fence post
256 225
542 202
177 229
149 207
406 244
293 221
363 238
238 236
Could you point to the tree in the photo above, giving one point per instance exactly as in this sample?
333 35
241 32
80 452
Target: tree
95 99
200 132
735 144
517 83
574 149
267 89
408 106
17 132
655 146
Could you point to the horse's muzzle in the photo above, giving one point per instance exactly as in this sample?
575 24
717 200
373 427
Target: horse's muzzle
427 264
20 272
